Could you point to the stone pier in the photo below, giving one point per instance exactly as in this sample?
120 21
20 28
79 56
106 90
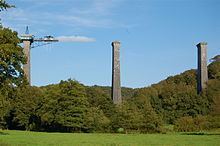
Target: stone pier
27 39
202 74
116 83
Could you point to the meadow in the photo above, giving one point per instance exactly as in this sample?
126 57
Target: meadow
26 138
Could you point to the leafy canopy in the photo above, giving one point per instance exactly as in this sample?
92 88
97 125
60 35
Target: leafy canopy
11 58
4 5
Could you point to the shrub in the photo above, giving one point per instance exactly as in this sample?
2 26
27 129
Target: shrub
200 123
184 124
213 122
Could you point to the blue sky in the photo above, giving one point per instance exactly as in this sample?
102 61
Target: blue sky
158 37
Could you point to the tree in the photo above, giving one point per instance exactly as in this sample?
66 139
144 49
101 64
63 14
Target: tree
4 5
214 70
64 107
128 117
26 106
11 58
98 98
11 73
11 54
150 121
4 108
96 121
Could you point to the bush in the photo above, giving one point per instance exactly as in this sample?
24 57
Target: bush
200 123
189 124
213 122
184 124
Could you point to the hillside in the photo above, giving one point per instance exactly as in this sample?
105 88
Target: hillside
176 96
73 107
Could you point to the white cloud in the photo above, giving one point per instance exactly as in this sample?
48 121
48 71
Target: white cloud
82 39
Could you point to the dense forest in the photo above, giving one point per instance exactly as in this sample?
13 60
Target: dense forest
71 106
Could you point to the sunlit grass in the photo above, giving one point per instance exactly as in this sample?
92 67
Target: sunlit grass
25 138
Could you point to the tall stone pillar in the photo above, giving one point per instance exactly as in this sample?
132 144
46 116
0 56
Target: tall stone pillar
27 39
27 66
202 74
116 83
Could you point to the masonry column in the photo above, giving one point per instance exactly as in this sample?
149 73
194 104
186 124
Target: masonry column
116 83
27 39
27 66
202 74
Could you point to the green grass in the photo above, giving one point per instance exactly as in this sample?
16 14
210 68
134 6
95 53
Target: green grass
24 138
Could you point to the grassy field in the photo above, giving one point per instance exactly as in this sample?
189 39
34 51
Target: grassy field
24 138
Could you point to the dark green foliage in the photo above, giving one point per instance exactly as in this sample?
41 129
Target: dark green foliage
96 121
72 107
127 93
184 124
176 96
213 121
26 107
189 124
198 123
181 100
100 109
213 94
213 90
214 70
4 5
11 58
97 97
128 117
136 115
151 121
4 109
11 73
64 107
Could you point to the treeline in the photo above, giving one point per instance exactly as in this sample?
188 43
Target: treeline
73 107
177 102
